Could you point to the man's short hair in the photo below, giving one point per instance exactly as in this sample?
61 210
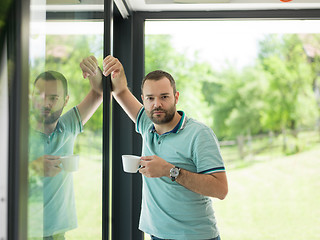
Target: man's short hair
157 75
53 75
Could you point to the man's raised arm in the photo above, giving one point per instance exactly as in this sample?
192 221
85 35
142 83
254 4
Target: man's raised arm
120 91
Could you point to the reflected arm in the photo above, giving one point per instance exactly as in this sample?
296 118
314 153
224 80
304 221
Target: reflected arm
94 98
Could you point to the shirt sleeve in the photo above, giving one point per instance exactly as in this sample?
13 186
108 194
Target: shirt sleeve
143 122
72 121
207 155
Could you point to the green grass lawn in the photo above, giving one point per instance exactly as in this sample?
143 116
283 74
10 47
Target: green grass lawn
276 199
88 194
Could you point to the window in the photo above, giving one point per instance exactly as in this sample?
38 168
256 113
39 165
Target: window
62 201
255 83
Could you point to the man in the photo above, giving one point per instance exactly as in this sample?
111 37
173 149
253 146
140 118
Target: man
181 162
52 209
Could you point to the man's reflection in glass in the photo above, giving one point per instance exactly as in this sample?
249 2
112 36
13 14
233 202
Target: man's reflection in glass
52 210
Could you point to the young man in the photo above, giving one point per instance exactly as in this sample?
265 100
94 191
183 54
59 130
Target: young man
52 209
181 162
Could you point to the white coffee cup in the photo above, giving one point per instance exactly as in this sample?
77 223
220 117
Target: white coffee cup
130 163
70 163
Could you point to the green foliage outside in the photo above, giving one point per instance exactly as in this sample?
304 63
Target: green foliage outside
189 75
275 94
4 10
291 101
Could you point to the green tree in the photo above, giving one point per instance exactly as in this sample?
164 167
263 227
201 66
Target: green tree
189 74
290 80
290 101
274 94
311 44
236 99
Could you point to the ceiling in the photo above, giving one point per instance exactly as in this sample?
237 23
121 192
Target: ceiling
217 5
180 5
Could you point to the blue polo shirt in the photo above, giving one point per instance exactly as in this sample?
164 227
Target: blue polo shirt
51 199
169 210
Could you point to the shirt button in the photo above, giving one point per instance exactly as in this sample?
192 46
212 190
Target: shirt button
159 142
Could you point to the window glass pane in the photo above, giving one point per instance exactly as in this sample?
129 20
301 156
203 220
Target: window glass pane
4 145
256 84
4 120
65 138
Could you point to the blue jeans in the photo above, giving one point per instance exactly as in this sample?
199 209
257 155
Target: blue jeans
155 238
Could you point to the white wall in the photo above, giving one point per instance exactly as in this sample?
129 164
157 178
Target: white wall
4 129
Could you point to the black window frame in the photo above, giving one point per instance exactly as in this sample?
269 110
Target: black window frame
18 68
124 38
133 60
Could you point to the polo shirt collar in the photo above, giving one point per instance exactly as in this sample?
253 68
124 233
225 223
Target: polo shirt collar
59 128
181 124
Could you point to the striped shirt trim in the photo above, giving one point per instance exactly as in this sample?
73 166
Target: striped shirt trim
76 110
213 170
138 118
182 122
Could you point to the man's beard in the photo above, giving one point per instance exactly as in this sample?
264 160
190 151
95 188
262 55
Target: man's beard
168 115
50 118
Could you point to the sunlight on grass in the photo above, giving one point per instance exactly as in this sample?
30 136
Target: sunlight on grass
276 199
269 198
88 189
